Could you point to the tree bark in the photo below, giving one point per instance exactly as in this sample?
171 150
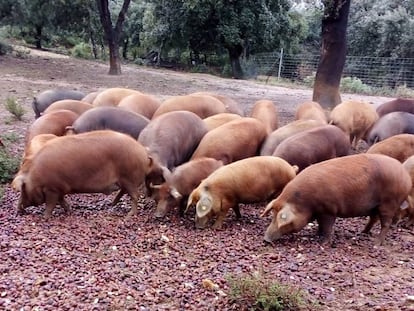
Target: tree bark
333 53
112 34
234 54
38 36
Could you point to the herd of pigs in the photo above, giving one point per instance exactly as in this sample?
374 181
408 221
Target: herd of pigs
201 152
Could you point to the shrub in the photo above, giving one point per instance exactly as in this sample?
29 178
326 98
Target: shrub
404 91
258 292
81 50
354 85
14 108
5 48
8 166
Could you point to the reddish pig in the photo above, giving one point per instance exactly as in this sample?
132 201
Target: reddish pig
266 112
251 180
75 106
310 111
112 96
216 120
358 185
399 147
398 104
230 104
142 104
408 211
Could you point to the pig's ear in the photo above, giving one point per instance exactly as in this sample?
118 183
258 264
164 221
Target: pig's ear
18 183
192 200
268 208
166 173
204 207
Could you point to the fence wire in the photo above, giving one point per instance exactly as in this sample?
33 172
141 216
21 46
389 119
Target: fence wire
378 72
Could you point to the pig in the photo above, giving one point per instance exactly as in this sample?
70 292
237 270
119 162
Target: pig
391 124
48 97
112 96
232 141
35 144
266 112
408 211
357 185
355 118
94 162
398 104
276 137
202 105
181 182
399 147
231 105
73 105
219 119
250 180
171 139
310 111
143 104
313 146
109 118
90 97
54 122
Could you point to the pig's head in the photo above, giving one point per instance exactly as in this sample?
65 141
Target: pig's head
167 197
202 200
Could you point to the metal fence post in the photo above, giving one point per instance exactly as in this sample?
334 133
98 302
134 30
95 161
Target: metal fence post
280 64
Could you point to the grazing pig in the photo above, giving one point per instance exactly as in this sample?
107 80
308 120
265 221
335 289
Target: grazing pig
313 146
143 104
181 182
75 106
391 124
251 180
399 147
310 111
266 112
358 185
219 119
171 139
109 118
54 122
355 118
279 135
112 96
95 162
409 210
202 105
231 105
48 97
398 104
232 141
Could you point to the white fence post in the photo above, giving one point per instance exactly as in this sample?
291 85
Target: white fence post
280 64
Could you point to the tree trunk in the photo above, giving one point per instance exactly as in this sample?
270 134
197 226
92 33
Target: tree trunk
333 53
112 34
234 54
125 48
38 36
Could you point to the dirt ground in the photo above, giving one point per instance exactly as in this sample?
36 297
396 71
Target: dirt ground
96 259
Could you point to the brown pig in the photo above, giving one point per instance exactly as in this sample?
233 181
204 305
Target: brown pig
313 146
231 105
181 182
266 112
250 180
399 147
93 162
232 141
408 211
276 137
112 96
310 111
398 104
75 106
219 119
355 118
143 104
90 97
358 185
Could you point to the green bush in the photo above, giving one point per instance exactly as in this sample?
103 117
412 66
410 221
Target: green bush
81 50
14 108
5 48
8 166
354 85
258 292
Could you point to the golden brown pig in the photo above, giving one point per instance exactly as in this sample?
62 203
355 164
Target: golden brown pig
143 104
112 96
399 147
251 180
75 106
219 119
310 111
355 118
408 211
358 185
90 97
398 104
266 112
232 141
231 105
94 162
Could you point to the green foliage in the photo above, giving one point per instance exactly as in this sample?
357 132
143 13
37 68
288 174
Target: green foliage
10 137
404 91
81 50
15 108
354 85
259 292
8 166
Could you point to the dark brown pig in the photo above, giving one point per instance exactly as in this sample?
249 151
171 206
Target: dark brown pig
265 111
109 118
181 182
310 111
219 119
54 122
398 104
231 105
276 137
75 106
94 162
112 96
48 97
391 124
232 141
251 180
358 185
202 105
399 147
143 104
313 146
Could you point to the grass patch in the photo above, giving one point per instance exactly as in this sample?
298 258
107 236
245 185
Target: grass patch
9 166
15 108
